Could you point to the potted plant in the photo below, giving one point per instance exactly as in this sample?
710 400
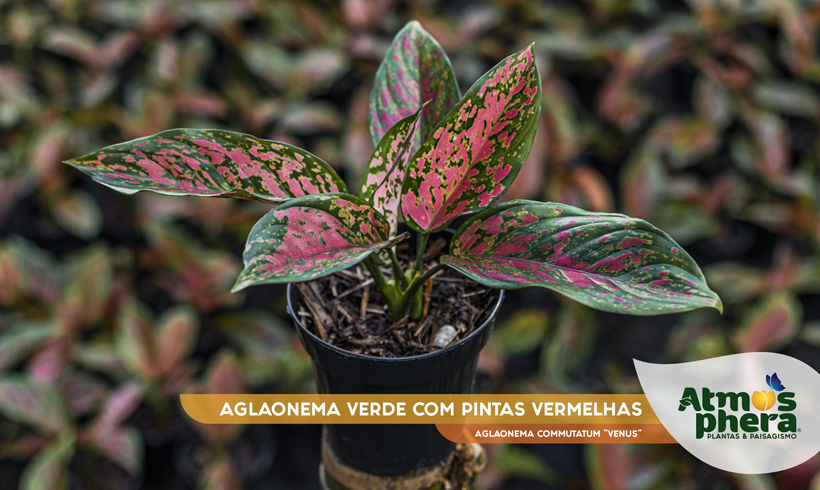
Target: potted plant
438 156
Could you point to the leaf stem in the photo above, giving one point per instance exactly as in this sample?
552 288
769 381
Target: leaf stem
387 290
376 274
407 297
421 247
398 273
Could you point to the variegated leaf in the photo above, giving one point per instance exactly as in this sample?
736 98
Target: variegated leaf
83 392
770 324
609 466
224 376
475 153
196 162
178 330
135 340
384 174
49 469
50 362
89 275
415 70
120 404
220 475
311 237
18 340
122 445
27 272
199 275
607 261
25 401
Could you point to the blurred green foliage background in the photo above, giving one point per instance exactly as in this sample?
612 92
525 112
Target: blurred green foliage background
700 117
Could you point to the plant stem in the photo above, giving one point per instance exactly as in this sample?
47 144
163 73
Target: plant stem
421 247
376 274
398 273
407 297
388 291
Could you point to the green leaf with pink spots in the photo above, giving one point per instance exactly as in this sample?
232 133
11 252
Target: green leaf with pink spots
193 162
384 175
415 70
311 237
476 151
607 261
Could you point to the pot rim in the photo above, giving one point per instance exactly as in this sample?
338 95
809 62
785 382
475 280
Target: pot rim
430 355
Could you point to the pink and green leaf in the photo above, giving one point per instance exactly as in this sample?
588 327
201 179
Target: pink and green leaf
27 272
26 402
49 469
198 275
121 445
224 376
176 337
135 340
770 325
569 345
476 151
23 446
609 466
220 475
50 362
120 405
19 340
193 162
311 237
415 70
384 175
607 261
89 275
83 391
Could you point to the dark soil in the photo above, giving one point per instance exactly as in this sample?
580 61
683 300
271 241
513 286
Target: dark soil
354 316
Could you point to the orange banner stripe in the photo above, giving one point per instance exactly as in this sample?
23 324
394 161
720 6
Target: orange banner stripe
556 433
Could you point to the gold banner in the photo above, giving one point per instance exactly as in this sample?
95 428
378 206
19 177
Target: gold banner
420 409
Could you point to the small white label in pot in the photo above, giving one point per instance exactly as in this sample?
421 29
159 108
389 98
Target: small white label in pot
444 335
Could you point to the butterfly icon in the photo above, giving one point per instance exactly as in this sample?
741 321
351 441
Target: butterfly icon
774 382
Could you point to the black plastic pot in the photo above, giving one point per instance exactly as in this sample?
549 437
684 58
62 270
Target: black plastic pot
391 450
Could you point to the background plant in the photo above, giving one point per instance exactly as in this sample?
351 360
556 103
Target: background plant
698 117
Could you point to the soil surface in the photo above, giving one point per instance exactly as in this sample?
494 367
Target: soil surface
353 316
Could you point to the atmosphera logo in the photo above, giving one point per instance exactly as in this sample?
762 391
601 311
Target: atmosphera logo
714 421
756 412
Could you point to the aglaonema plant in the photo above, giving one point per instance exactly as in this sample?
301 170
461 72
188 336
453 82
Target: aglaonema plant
438 155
